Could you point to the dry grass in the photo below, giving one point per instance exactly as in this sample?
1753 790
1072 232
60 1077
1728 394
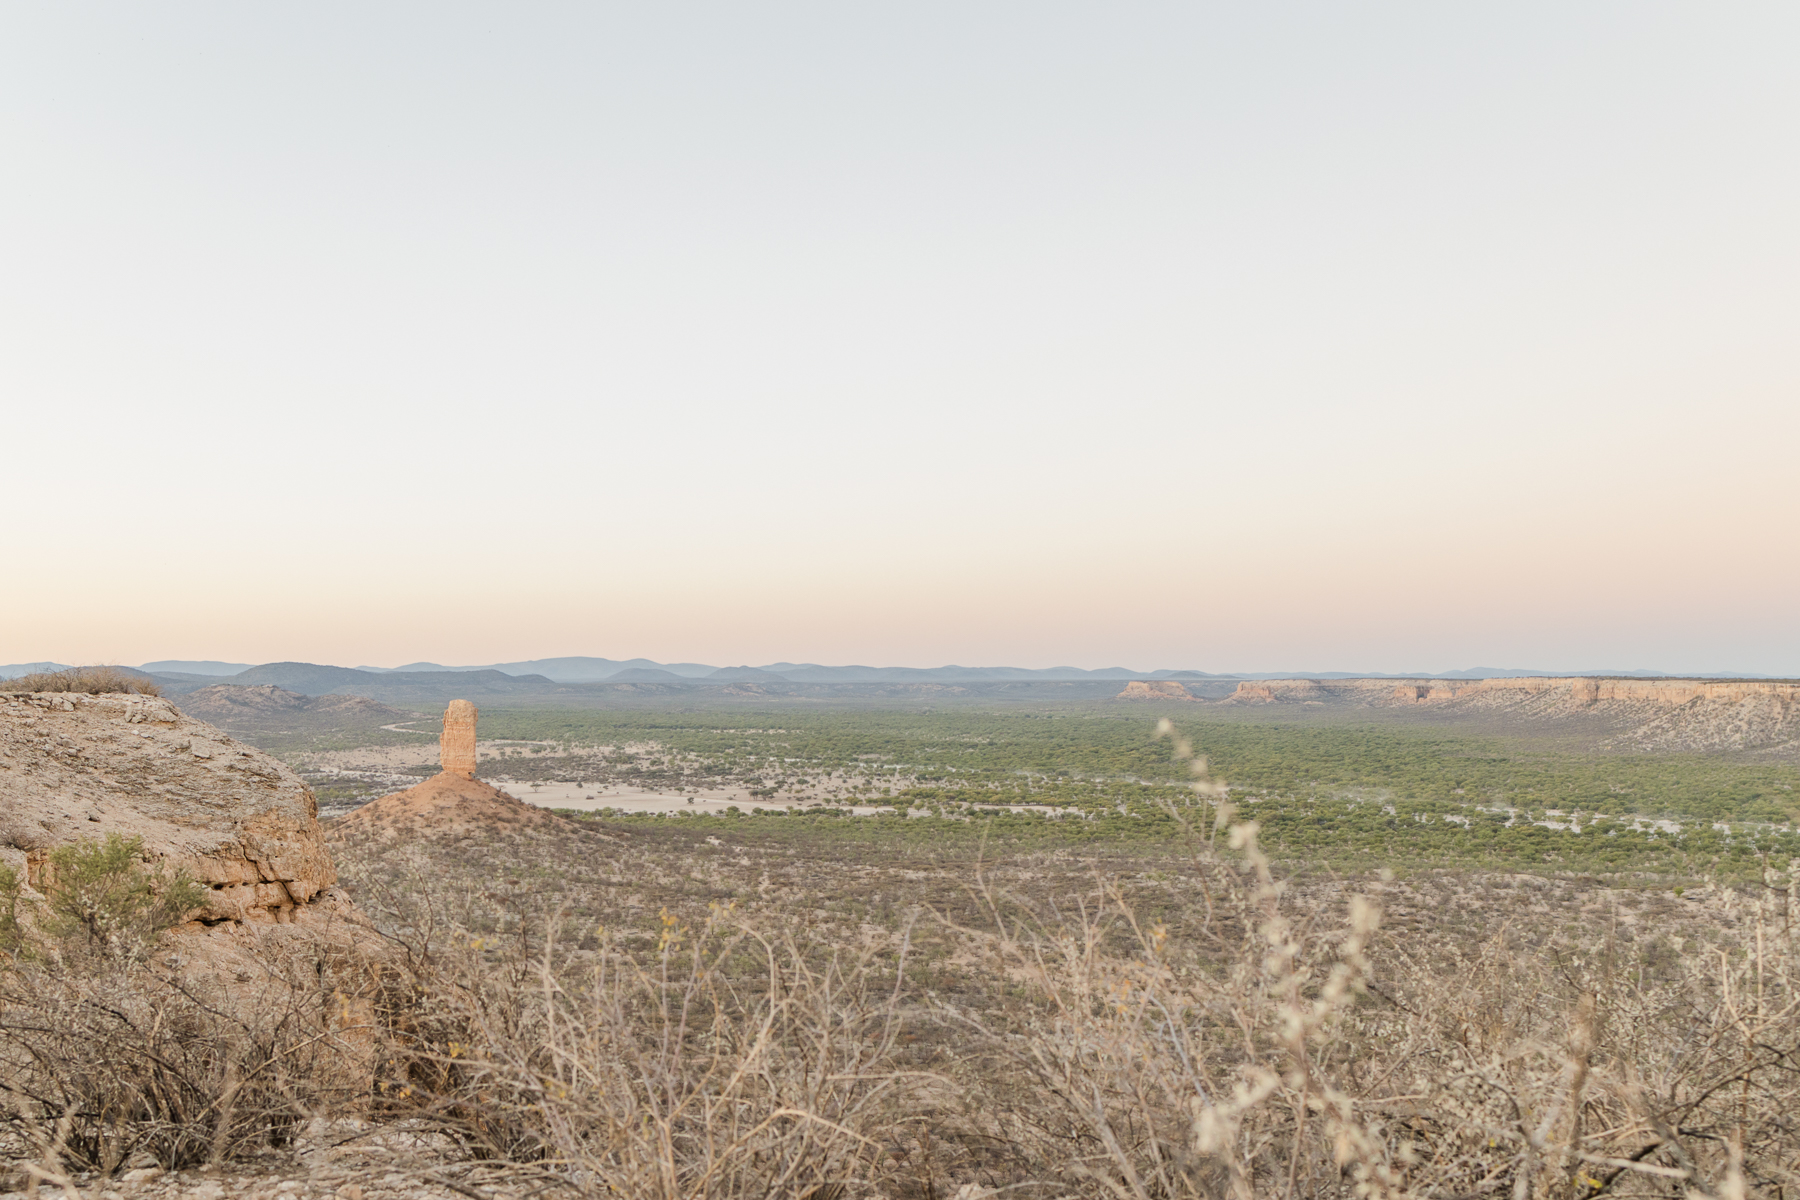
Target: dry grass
1287 1048
118 1048
110 1064
92 681
1222 1032
719 1061
592 1011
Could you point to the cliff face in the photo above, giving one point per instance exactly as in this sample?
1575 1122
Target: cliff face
76 766
1162 689
1637 714
1582 690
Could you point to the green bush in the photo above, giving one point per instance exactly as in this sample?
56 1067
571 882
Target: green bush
12 937
102 895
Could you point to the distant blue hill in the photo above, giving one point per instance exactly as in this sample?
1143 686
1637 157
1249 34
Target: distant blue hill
179 666
596 670
566 670
392 687
14 670
814 673
426 679
1506 673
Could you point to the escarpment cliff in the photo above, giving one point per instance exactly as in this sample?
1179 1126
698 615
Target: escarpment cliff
76 766
1160 689
1642 714
1580 690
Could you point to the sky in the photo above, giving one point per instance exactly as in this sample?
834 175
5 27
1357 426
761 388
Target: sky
1386 337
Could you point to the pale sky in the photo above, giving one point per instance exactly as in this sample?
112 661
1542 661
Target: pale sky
1314 336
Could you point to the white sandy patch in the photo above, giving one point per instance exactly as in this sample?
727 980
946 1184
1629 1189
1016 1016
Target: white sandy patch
561 793
564 794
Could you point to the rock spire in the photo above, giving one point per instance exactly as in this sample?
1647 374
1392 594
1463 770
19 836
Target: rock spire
456 748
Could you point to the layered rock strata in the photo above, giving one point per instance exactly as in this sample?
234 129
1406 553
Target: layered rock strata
274 939
76 766
1662 715
1585 690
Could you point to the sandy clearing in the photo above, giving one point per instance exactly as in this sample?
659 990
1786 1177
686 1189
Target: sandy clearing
565 794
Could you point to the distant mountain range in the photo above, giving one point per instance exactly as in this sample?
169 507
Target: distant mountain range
595 670
537 675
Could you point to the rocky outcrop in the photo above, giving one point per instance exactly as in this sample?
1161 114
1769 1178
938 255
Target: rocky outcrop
274 944
1159 689
447 804
450 802
75 766
1275 691
456 746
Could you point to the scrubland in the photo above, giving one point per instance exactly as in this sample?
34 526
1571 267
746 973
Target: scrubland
1341 791
1169 990
701 1007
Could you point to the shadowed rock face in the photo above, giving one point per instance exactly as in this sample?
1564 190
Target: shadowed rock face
456 747
76 767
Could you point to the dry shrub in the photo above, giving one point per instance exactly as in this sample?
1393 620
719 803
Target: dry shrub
101 1064
92 681
114 1047
723 1060
1268 1056
1253 1038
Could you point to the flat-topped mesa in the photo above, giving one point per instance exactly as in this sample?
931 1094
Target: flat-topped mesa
456 748
1154 689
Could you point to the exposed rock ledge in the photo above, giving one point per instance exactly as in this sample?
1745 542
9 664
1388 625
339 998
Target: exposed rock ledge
76 766
1660 715
1582 690
1159 689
